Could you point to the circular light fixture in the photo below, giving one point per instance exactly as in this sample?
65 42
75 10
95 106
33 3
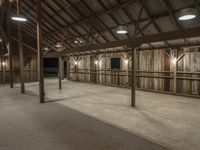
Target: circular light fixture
122 30
19 18
59 45
46 48
1 40
187 14
78 41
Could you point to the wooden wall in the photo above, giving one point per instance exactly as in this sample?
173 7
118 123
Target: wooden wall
155 70
30 69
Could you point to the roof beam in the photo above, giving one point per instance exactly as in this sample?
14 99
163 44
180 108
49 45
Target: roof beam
166 36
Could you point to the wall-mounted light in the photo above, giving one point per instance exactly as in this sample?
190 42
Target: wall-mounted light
122 30
3 63
187 14
126 61
19 18
96 62
174 60
76 63
1 40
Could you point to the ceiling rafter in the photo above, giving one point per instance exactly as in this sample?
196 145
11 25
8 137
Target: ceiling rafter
78 11
169 8
54 21
142 2
138 21
73 28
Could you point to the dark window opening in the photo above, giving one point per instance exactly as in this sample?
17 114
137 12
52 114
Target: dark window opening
50 66
115 63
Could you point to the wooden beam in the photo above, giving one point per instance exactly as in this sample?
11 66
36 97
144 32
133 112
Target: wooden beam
25 45
134 42
40 52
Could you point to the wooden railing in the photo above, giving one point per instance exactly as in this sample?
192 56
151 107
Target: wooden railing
123 78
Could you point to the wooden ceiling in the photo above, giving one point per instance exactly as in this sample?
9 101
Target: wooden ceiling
94 22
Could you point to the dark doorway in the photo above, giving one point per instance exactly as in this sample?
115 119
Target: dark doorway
115 63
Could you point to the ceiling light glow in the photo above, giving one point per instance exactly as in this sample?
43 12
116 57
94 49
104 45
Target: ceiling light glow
187 14
96 62
46 48
59 45
122 30
19 18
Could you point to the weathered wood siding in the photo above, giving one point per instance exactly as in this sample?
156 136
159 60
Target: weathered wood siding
155 70
30 69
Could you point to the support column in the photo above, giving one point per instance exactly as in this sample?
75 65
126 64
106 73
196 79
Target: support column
10 65
60 73
97 70
175 71
9 46
133 75
68 68
40 52
21 51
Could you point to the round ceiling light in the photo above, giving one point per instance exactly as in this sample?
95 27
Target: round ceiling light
46 48
59 45
187 14
19 18
1 40
122 30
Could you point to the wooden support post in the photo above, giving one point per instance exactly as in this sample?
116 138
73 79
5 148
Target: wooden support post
60 73
2 70
175 70
68 68
127 70
21 51
10 65
40 52
97 71
133 75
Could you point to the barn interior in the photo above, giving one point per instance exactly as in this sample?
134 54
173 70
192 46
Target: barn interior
100 74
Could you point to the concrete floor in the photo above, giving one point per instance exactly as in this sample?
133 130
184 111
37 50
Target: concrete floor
85 116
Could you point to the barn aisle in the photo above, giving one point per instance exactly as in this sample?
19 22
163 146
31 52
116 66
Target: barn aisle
169 120
27 125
